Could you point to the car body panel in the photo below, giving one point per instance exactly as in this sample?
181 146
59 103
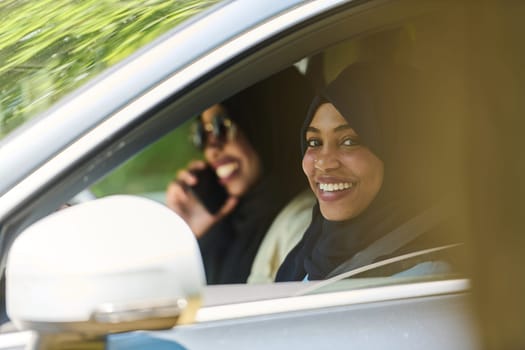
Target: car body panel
433 315
429 322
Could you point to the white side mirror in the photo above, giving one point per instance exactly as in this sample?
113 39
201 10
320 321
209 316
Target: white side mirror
112 264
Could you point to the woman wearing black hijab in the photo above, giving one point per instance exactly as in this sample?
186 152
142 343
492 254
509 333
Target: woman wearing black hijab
246 141
370 156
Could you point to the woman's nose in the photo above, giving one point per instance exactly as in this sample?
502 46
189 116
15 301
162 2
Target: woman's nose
326 161
213 148
213 141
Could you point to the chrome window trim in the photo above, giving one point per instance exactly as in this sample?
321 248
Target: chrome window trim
333 299
55 166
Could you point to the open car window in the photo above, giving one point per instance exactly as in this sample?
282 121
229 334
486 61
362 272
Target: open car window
415 41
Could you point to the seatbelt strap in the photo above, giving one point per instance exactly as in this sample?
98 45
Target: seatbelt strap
369 267
394 240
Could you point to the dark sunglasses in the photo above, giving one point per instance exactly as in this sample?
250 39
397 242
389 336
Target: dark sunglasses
221 128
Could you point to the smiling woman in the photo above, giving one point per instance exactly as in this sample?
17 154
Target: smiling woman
367 156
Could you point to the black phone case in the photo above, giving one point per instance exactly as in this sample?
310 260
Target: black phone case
210 192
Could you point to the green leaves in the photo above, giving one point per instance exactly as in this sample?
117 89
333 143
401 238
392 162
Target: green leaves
50 47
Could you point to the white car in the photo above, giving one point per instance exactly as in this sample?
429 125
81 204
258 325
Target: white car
124 272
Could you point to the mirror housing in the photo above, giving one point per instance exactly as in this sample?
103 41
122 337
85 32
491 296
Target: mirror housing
108 265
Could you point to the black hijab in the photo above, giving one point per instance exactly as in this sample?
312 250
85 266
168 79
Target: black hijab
388 106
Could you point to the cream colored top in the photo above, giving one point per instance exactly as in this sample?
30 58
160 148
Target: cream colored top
285 232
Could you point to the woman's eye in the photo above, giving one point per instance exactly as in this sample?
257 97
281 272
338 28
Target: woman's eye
350 142
313 143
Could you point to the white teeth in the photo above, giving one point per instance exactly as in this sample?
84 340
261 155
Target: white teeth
226 170
335 187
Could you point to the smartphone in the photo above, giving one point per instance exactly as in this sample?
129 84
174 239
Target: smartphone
210 192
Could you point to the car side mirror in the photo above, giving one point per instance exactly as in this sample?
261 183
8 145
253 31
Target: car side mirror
109 265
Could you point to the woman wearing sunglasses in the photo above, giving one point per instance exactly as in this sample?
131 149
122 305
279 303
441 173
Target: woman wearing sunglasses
246 143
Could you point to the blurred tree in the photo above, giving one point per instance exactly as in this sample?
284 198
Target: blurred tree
50 47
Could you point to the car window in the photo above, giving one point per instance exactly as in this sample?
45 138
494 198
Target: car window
403 42
406 43
50 48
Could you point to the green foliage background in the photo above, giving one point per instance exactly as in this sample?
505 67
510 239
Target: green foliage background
50 47
152 169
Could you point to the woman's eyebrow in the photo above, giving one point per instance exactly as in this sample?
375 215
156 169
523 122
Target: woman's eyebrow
343 128
312 129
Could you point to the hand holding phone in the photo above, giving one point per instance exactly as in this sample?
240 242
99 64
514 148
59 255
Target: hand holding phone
198 197
208 189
